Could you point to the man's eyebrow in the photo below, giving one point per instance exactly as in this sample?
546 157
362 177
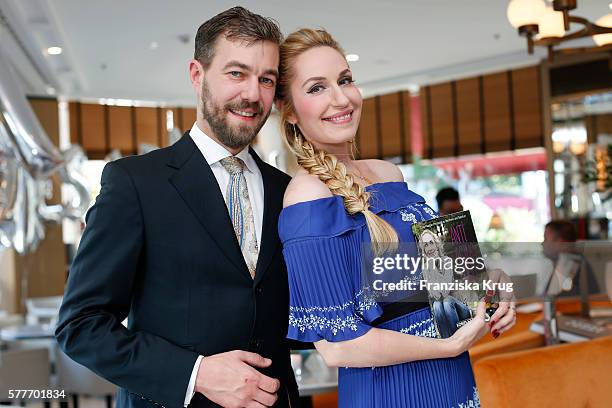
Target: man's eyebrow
237 64
241 65
273 72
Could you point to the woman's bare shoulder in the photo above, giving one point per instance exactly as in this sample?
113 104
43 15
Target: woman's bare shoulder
385 171
305 187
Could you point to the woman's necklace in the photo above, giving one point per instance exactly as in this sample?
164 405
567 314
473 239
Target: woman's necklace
364 179
355 172
359 176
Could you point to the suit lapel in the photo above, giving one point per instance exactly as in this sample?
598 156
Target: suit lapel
198 187
273 202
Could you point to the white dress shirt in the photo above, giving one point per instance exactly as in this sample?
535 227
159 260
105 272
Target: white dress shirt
213 153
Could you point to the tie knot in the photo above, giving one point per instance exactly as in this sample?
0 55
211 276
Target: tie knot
233 164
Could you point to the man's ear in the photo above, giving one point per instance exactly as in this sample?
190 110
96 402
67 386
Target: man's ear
196 74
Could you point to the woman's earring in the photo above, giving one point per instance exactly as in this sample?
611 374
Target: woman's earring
295 135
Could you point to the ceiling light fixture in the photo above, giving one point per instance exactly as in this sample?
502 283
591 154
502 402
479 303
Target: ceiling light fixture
550 26
54 50
352 57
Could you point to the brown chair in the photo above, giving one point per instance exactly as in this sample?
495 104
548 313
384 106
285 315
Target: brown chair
569 375
507 343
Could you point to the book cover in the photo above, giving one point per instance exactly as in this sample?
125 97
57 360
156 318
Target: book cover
453 268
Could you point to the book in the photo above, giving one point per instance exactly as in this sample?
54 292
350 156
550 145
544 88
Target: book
572 329
453 268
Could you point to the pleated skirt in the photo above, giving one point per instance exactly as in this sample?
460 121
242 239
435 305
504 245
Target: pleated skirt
437 383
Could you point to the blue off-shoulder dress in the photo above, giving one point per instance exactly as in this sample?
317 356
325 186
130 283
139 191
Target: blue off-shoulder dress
322 247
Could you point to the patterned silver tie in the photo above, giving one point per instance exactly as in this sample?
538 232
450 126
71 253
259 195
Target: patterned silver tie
240 211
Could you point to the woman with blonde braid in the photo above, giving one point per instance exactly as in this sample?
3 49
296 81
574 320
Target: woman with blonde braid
389 356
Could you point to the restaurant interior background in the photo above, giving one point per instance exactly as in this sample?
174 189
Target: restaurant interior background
452 93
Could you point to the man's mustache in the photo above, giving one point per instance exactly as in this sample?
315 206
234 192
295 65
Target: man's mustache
254 106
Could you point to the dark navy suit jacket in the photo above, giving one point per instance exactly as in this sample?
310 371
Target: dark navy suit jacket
160 249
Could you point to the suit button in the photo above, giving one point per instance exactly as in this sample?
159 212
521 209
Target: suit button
259 290
254 344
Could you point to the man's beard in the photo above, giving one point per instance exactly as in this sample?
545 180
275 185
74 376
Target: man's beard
234 137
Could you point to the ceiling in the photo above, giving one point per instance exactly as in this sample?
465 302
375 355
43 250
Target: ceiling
108 53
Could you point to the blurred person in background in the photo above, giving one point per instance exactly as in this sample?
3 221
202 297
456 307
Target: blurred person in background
448 201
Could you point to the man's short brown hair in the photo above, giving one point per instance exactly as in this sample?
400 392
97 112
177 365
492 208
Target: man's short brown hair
236 23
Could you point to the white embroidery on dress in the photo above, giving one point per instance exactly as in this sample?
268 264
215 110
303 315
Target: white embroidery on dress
303 319
362 302
407 216
423 328
428 210
471 403
314 322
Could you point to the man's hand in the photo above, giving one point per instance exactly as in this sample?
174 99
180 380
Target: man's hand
230 380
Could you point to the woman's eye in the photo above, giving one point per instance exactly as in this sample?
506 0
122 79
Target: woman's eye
346 81
315 89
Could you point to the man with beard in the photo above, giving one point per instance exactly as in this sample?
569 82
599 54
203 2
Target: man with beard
183 242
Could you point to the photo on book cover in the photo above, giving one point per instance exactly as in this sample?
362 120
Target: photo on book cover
453 267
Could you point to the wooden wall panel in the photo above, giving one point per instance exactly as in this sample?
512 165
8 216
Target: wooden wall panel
93 128
497 126
426 119
442 127
390 125
469 120
121 129
74 112
527 104
368 130
187 118
406 124
146 126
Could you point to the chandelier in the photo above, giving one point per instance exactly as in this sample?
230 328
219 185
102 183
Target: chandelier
551 25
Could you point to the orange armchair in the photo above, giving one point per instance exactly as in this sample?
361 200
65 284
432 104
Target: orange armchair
569 375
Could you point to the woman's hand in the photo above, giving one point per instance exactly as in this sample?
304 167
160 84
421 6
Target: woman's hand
471 332
505 316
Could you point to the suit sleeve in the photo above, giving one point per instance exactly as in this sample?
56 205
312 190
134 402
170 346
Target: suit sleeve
98 297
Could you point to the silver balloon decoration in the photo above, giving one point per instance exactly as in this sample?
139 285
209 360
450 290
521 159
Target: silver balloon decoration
23 230
27 159
8 175
69 174
34 150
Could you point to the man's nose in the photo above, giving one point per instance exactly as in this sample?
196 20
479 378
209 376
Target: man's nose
251 91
